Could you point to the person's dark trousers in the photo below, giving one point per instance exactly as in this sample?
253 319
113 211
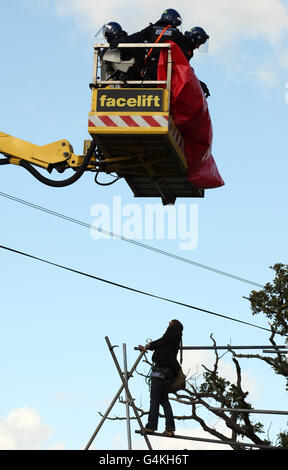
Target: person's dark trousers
159 396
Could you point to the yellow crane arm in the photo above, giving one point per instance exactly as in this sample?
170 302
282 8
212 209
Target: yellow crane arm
58 155
45 156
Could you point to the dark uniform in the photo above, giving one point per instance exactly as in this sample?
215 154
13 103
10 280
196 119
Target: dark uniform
126 54
150 35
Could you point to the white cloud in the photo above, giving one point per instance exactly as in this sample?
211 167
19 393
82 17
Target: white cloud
226 20
231 20
230 23
265 75
23 430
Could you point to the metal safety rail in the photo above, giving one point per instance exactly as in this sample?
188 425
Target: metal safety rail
96 81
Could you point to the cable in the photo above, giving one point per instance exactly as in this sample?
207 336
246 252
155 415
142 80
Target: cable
4 161
105 184
134 242
137 291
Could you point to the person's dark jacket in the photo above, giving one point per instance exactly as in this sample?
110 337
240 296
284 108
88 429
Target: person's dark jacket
150 35
166 348
120 36
127 54
152 32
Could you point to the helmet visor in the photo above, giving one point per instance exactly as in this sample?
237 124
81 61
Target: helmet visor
107 30
101 35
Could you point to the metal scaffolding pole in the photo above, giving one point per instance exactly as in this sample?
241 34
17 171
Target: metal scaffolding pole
113 401
214 441
269 351
270 347
127 399
125 384
247 410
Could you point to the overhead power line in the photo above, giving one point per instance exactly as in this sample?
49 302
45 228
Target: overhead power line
129 240
137 291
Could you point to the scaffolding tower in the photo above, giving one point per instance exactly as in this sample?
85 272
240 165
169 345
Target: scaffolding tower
125 375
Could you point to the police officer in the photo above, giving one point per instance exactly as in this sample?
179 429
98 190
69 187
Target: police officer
113 30
163 30
197 37
114 34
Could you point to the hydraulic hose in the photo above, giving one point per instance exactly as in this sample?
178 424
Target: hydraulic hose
4 161
72 179
105 184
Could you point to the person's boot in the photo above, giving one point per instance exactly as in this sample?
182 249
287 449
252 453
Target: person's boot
168 433
148 430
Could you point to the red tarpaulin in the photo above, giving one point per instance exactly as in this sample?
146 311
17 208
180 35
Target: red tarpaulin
190 112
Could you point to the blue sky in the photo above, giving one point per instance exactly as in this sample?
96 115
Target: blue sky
56 370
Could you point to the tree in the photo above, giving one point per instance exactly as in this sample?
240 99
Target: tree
217 390
272 301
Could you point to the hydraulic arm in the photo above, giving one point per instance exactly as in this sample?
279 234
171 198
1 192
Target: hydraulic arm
56 155
46 156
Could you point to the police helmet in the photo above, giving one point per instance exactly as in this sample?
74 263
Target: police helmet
172 17
197 35
111 30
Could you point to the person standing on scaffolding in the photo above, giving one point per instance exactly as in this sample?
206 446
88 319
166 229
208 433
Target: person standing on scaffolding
164 370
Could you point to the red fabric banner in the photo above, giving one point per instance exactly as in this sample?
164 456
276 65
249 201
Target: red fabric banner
190 112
